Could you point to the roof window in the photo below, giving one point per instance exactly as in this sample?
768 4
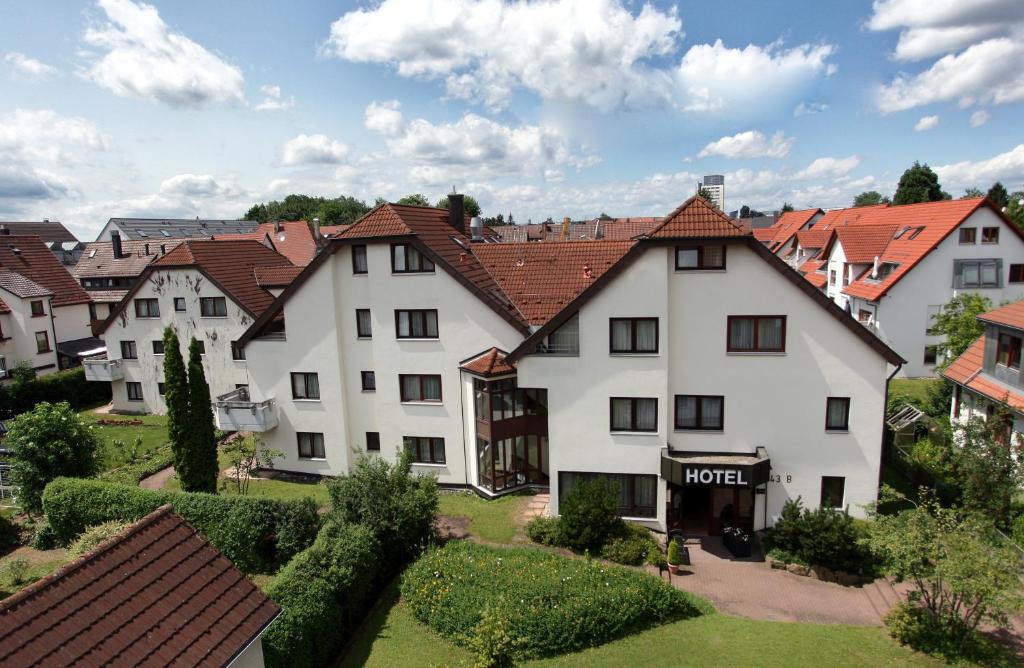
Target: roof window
141 233
165 233
901 232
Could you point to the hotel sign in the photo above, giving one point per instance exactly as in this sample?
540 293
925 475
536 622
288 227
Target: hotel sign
700 475
690 469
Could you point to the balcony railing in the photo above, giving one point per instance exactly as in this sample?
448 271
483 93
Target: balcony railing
103 370
235 411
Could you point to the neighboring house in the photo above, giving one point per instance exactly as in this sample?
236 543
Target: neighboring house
157 594
656 362
48 308
617 229
157 229
894 267
109 269
292 238
780 237
988 374
62 243
208 290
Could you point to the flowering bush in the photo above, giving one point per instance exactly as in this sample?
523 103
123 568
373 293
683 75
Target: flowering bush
549 603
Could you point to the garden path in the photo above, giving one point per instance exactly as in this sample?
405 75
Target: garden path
158 479
537 507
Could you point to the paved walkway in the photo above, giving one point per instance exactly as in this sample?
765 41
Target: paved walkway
751 588
158 479
537 507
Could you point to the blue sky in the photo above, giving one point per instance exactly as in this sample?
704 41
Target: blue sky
555 108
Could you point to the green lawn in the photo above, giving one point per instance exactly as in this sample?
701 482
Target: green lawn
914 389
392 637
153 431
492 520
36 571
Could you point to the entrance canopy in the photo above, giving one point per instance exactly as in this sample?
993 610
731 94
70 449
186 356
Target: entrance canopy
715 469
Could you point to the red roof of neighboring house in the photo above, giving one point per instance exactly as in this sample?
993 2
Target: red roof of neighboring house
98 259
789 224
810 265
696 217
764 234
276 277
291 238
817 279
921 228
333 230
621 229
158 594
1011 315
29 256
541 278
847 216
966 370
816 237
863 243
489 363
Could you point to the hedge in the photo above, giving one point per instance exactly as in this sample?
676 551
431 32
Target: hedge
256 534
324 593
553 604
70 386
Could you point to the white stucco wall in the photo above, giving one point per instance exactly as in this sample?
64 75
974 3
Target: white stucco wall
774 401
222 372
252 657
321 337
20 327
71 322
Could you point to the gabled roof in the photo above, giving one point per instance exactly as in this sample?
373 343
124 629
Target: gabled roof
333 230
764 234
276 277
488 364
621 229
696 217
814 238
98 260
920 229
789 224
1010 315
542 278
967 370
49 231
158 594
291 238
179 228
20 286
863 243
29 257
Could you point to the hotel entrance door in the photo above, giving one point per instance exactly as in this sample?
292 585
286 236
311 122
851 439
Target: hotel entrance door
703 510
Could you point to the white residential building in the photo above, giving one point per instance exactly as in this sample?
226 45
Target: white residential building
714 184
207 290
657 362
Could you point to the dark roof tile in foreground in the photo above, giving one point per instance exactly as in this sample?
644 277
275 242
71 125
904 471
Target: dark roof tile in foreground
696 217
20 286
158 594
29 256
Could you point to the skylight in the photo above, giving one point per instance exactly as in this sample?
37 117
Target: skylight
165 233
917 231
141 233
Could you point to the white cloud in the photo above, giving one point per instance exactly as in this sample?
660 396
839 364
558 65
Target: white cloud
44 135
979 41
384 117
272 100
926 123
1006 167
749 144
313 149
808 108
197 185
142 57
828 168
591 51
714 77
26 183
978 118
29 67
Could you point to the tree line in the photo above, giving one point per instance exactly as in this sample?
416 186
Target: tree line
343 210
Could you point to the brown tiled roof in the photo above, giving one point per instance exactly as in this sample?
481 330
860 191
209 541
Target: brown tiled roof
29 256
863 243
48 231
810 265
1010 315
333 230
489 363
98 260
22 287
276 277
156 595
816 279
454 250
816 237
291 238
696 217
107 296
231 264
764 234
621 229
789 224
966 370
542 278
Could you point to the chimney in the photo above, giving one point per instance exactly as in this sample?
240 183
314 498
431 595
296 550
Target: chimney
115 242
4 230
476 227
277 226
316 228
456 213
163 249
147 250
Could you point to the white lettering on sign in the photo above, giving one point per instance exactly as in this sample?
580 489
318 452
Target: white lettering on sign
702 476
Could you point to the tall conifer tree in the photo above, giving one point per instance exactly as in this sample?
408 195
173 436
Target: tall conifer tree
176 397
202 440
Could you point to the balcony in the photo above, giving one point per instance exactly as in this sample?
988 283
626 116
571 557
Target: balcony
235 411
103 370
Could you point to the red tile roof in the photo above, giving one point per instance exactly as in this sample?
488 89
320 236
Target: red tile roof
156 595
696 217
231 264
816 279
29 256
489 363
816 237
789 224
333 230
276 277
291 238
98 260
542 278
1010 315
810 265
22 287
966 370
622 229
863 243
921 228
764 234
847 216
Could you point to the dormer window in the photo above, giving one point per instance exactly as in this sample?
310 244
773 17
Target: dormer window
1008 351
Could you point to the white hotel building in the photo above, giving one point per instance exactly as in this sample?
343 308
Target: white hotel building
692 365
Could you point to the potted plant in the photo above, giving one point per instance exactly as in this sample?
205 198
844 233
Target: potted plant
673 558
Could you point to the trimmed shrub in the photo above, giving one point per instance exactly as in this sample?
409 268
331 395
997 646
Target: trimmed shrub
914 626
632 547
70 386
145 465
256 534
44 537
821 537
555 604
589 515
324 593
543 530
93 536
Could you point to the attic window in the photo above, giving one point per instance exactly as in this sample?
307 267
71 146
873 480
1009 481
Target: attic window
141 233
92 253
15 250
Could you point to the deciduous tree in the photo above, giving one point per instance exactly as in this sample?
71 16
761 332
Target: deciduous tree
416 199
870 198
958 323
919 184
469 204
970 193
1015 209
